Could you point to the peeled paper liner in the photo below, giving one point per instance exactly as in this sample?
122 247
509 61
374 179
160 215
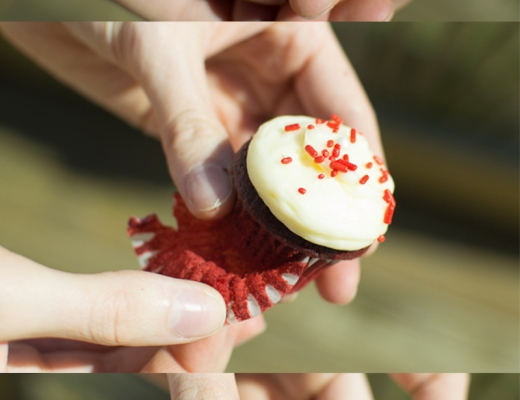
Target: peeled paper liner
251 269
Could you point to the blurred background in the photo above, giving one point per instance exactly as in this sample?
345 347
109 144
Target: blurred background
129 387
441 294
106 10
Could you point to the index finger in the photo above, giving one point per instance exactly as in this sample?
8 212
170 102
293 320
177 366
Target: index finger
425 386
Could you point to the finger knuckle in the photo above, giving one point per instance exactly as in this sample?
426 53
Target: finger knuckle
185 126
108 319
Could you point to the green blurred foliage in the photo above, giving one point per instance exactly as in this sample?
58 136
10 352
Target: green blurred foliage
451 73
63 10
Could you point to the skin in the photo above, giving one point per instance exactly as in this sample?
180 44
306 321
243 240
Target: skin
123 327
213 88
311 386
265 10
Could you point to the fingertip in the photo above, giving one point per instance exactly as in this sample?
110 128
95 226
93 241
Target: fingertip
339 283
390 16
199 157
371 249
208 191
286 13
197 311
311 9
448 386
371 10
349 386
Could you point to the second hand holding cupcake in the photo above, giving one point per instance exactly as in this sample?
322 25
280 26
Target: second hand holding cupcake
279 236
203 89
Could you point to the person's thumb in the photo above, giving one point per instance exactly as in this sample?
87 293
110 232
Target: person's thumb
195 141
131 308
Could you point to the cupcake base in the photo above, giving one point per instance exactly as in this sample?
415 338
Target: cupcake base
251 270
259 212
251 258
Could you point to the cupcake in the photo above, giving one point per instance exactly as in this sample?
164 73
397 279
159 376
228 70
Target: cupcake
309 194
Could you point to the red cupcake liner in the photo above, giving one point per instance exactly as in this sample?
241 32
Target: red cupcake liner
249 267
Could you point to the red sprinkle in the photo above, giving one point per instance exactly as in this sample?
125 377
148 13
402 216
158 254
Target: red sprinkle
333 125
302 190
333 173
378 160
381 239
352 135
293 127
334 117
364 179
319 121
349 165
325 153
319 159
321 176
312 152
286 160
310 126
332 158
368 165
330 143
388 197
335 151
383 177
339 166
388 214
345 157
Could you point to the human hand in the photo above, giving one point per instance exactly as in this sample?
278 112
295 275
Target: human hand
125 321
203 89
265 10
311 386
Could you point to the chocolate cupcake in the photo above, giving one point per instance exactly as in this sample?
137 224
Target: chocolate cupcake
309 193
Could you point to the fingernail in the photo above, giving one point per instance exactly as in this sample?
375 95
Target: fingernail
196 313
207 186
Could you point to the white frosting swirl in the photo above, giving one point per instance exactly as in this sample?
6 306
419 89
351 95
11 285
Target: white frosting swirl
337 212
